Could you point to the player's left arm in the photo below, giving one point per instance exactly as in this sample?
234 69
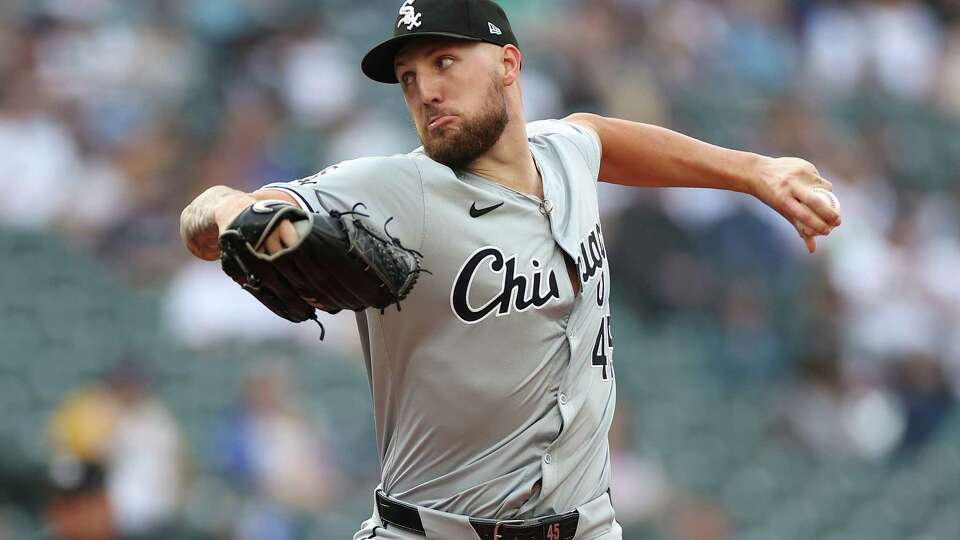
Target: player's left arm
636 154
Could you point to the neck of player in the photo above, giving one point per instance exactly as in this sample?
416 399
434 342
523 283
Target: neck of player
509 162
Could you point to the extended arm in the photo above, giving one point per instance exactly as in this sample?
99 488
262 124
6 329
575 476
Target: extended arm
636 154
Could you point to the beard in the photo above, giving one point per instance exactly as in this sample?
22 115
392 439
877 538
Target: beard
458 148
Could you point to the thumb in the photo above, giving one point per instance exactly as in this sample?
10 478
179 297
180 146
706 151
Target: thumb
811 243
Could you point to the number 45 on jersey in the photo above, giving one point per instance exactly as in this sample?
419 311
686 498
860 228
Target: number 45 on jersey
601 356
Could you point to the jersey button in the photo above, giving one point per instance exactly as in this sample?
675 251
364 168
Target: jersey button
546 207
563 399
548 459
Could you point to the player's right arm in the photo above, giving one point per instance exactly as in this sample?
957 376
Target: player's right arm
643 155
214 209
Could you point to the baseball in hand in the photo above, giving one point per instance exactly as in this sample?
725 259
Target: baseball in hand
830 199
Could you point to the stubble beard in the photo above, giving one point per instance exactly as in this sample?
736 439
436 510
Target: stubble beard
459 148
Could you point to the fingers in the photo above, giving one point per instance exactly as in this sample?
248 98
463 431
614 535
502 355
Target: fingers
806 220
199 233
820 205
284 236
796 189
288 234
204 245
272 245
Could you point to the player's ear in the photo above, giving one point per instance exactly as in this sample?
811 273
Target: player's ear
510 58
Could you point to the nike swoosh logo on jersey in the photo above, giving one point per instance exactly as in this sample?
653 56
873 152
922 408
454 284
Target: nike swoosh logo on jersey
475 213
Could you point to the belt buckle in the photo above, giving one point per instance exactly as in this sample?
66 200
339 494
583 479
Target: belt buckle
509 522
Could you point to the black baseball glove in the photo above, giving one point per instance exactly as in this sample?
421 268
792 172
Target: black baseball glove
339 261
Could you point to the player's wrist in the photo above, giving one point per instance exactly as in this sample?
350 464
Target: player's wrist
230 206
753 181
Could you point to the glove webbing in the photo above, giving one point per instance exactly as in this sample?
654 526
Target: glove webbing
393 240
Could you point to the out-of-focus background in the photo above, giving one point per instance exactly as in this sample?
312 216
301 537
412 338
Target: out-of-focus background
764 393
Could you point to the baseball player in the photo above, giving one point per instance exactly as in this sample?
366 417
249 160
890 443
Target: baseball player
493 387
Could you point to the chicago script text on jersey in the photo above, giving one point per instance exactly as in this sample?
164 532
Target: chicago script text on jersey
518 293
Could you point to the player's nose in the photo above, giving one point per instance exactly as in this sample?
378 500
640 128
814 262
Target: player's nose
431 90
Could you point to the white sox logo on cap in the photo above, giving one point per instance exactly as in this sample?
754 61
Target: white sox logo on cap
472 20
410 17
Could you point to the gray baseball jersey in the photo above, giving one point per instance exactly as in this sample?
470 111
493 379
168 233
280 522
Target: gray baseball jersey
493 388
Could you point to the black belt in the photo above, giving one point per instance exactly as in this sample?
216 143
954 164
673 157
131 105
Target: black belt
557 527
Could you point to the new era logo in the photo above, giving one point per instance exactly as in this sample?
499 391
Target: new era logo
494 30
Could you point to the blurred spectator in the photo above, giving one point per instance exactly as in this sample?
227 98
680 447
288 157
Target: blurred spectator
277 459
890 310
758 48
367 133
145 466
82 425
836 47
81 430
749 344
831 416
318 84
639 487
117 455
850 43
925 398
645 498
667 276
950 91
79 506
36 172
686 32
203 310
695 518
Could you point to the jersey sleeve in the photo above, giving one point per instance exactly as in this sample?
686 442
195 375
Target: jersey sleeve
387 187
574 135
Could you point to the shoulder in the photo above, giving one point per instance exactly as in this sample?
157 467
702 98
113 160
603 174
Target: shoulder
392 182
398 168
415 165
566 127
564 136
373 165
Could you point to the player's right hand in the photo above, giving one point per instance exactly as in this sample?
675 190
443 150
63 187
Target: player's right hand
786 185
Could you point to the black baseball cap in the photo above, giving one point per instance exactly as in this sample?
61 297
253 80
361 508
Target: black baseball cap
472 20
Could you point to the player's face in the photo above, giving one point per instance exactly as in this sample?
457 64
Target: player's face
455 95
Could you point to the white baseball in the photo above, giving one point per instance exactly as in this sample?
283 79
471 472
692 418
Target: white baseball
830 198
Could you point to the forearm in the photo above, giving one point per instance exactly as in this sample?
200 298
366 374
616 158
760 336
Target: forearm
636 154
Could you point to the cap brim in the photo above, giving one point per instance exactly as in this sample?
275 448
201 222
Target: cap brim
378 63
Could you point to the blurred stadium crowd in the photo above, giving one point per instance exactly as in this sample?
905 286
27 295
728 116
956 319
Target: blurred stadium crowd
754 378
